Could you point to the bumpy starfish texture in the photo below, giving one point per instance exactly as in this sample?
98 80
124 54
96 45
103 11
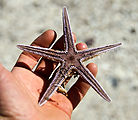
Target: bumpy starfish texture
70 60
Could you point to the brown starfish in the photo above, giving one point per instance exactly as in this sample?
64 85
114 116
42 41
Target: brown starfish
70 60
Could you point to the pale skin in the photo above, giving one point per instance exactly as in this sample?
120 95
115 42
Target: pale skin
20 89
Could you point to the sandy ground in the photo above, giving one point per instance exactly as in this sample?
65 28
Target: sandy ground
96 22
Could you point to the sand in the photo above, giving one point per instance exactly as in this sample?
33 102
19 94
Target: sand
97 23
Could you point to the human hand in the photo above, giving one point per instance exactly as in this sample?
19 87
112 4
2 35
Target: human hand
20 89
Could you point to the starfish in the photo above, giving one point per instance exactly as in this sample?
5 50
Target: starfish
70 60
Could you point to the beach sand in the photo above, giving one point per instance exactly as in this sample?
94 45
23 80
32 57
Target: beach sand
97 23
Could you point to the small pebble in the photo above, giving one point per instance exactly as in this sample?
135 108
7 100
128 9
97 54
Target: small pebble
132 30
134 88
124 38
2 4
35 4
114 82
89 42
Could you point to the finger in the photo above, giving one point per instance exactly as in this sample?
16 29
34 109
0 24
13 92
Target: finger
80 88
46 66
29 60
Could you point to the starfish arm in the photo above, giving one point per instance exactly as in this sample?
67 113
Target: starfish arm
69 41
85 73
90 53
44 52
60 74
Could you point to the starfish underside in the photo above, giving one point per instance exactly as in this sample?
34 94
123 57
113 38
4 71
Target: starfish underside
70 60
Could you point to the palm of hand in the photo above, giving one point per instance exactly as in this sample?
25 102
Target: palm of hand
21 88
22 95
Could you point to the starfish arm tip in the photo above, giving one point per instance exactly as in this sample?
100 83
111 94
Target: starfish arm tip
20 47
64 7
118 44
41 102
108 99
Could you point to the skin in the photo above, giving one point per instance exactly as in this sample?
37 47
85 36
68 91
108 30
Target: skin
21 89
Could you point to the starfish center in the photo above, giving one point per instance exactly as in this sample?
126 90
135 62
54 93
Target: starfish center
71 57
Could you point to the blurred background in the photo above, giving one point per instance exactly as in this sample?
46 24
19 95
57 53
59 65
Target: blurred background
95 22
